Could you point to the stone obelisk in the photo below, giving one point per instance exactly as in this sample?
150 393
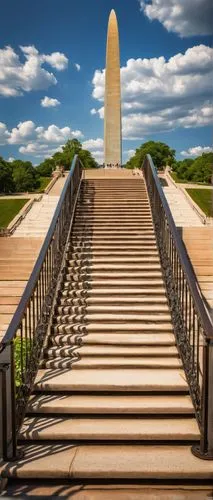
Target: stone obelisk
112 107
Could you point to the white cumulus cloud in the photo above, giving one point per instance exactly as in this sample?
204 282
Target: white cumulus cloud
99 156
185 17
57 60
17 77
130 153
159 95
92 144
77 66
96 147
197 151
4 134
37 140
23 132
49 102
39 150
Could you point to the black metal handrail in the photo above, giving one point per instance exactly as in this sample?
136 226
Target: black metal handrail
21 346
191 320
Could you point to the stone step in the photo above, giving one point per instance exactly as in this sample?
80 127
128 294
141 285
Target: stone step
113 227
113 362
102 197
110 198
127 219
90 274
113 318
85 266
114 350
115 339
120 462
114 301
113 222
110 404
103 252
109 309
86 232
113 212
106 248
117 206
118 238
132 380
113 291
135 215
113 327
121 188
116 283
114 203
112 429
91 260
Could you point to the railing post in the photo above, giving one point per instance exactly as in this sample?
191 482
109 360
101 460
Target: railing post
8 449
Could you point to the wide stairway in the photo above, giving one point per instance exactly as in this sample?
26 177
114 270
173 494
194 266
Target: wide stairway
110 398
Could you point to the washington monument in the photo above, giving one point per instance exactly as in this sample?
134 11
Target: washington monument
112 120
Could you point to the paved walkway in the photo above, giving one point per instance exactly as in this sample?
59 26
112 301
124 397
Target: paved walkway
37 221
183 213
58 186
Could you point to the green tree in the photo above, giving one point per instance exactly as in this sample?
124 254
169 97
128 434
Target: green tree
162 155
202 168
25 176
69 150
87 159
182 168
46 168
198 170
6 177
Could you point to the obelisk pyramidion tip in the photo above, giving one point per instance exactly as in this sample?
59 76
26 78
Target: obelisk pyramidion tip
112 13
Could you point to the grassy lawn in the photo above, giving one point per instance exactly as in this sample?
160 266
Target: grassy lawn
9 209
203 198
44 181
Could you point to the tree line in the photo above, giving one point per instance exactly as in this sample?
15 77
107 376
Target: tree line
21 176
197 170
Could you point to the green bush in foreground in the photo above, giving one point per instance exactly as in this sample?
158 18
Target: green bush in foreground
21 350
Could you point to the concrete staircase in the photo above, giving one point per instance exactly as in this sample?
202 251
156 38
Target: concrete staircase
111 400
38 219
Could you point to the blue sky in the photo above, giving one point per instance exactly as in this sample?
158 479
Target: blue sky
52 57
